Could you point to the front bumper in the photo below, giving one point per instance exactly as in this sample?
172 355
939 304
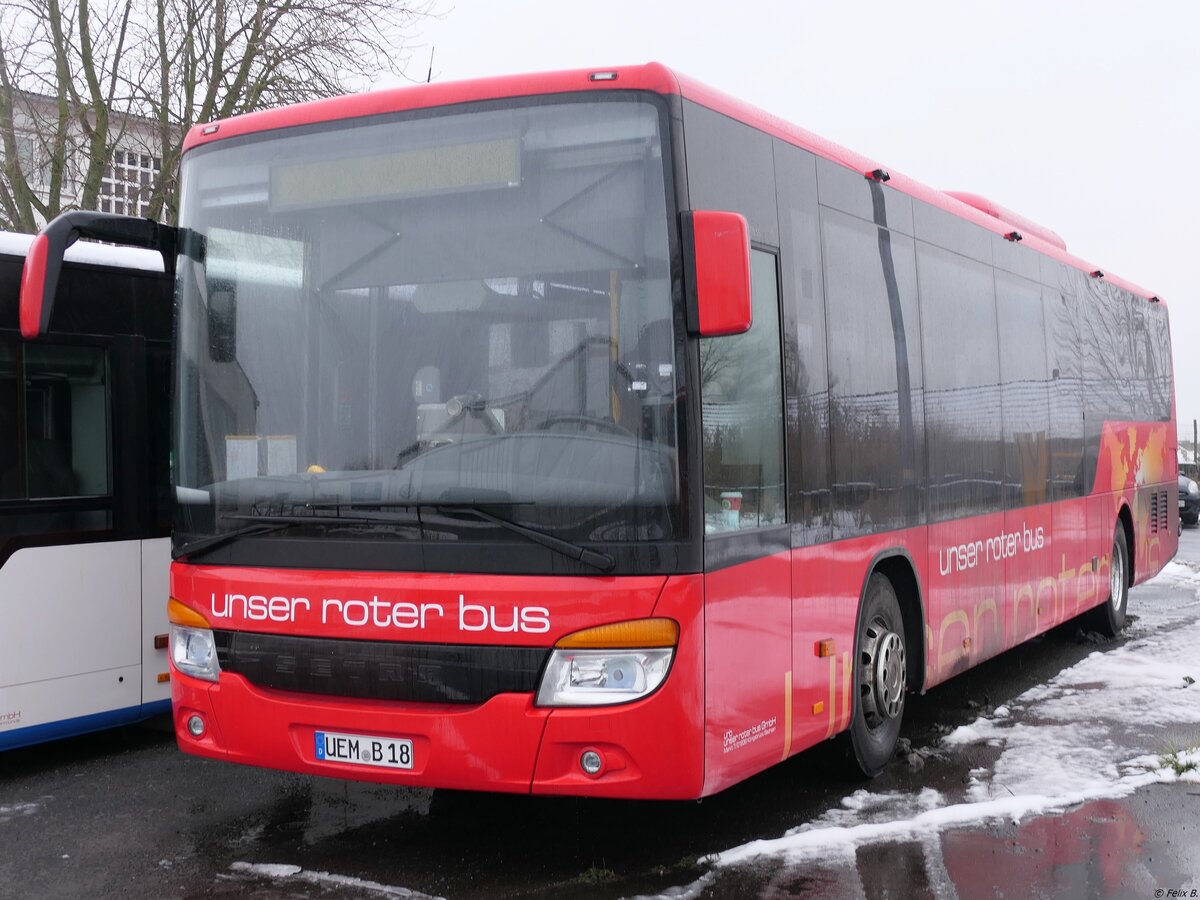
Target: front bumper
652 748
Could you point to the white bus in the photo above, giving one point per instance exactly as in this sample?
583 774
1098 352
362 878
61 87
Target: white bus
84 497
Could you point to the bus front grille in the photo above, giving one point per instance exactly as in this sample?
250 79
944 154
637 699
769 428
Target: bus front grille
380 670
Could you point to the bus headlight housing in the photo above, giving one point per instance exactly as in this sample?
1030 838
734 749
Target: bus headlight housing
609 665
194 652
193 648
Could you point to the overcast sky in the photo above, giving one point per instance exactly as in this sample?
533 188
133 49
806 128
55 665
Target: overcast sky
1079 115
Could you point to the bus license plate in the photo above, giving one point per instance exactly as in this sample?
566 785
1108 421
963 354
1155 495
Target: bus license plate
364 750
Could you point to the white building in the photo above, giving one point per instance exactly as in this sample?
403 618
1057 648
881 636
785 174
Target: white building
131 173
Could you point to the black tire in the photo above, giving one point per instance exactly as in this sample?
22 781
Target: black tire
878 702
1109 617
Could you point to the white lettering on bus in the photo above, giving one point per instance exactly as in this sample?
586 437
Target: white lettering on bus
258 608
1006 545
529 619
354 613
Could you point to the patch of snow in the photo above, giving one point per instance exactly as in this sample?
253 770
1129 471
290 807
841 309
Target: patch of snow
266 870
806 843
979 731
285 872
18 811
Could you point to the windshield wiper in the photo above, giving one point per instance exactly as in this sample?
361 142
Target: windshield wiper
213 541
602 561
594 558
260 524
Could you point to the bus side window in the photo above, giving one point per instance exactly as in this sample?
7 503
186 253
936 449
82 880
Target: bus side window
11 487
742 414
66 413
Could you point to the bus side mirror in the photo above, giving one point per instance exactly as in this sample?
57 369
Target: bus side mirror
44 261
716 253
39 282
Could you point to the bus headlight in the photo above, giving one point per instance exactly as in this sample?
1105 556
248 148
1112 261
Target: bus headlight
602 677
193 648
611 664
194 652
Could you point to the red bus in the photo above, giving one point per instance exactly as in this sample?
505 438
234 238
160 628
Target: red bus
595 433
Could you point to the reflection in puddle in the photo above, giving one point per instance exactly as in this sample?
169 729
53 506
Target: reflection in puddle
1096 850
340 806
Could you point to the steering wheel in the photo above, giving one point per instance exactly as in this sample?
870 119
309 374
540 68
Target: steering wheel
593 422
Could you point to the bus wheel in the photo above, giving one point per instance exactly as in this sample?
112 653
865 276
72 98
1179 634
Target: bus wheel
879 679
1109 618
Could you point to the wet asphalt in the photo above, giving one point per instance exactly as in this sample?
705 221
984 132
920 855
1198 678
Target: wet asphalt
124 814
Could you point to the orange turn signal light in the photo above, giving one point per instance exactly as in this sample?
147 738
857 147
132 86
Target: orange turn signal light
620 635
178 614
824 648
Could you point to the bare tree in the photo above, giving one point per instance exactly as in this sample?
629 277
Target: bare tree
75 73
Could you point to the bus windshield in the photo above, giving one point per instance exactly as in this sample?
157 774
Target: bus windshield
445 310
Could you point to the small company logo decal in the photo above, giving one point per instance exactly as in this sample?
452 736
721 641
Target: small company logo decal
736 740
8 719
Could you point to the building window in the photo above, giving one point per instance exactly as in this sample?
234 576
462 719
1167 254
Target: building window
128 183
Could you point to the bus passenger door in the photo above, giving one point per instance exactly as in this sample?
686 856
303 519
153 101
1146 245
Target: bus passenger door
747 543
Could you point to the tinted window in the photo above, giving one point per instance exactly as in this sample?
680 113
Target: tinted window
730 167
946 230
1014 257
852 192
1159 382
1102 317
875 407
1066 399
1104 330
805 363
11 482
742 415
962 398
66 415
1151 360
1025 390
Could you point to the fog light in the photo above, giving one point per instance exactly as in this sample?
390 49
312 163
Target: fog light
195 726
590 762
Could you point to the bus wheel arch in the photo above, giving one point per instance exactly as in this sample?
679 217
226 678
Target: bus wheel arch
1108 617
900 570
888 648
1125 520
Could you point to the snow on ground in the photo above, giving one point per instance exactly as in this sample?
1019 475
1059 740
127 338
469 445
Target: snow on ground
1120 719
18 810
285 873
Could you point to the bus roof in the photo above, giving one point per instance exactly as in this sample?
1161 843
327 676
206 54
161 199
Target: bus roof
656 78
89 253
